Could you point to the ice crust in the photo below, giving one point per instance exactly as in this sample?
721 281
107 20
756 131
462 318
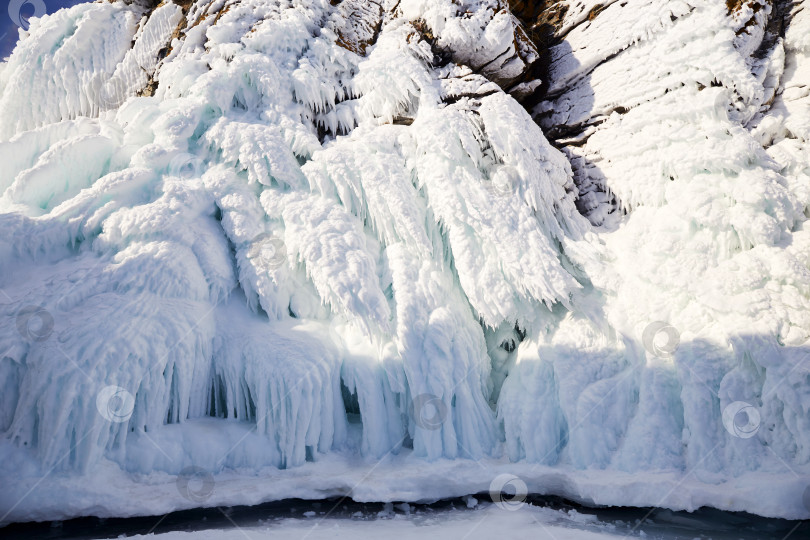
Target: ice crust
281 227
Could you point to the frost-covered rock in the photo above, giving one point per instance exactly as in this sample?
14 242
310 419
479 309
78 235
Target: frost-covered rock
241 235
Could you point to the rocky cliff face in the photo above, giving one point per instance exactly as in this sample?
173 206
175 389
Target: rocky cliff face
609 59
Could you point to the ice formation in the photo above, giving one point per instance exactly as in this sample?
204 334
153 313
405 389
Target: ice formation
249 234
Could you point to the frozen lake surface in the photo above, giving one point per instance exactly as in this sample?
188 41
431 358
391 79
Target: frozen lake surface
540 518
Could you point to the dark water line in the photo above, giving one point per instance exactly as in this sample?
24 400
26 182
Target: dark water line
652 523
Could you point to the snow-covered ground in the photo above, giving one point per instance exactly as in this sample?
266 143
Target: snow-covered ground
488 522
310 248
468 517
110 492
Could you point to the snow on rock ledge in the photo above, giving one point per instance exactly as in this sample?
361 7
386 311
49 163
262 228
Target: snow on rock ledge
245 236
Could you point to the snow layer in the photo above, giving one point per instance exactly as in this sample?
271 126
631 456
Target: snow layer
269 233
405 521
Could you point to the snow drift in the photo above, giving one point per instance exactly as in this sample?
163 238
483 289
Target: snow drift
252 236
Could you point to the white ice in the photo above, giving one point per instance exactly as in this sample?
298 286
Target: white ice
288 234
